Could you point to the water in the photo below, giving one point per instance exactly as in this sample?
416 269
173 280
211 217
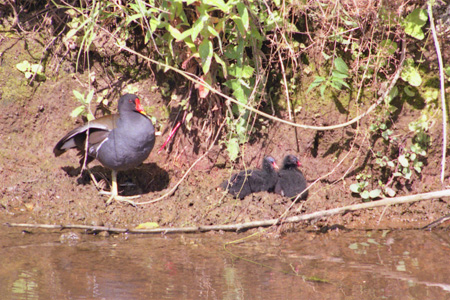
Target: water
303 265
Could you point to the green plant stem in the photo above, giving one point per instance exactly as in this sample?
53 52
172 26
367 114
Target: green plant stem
442 83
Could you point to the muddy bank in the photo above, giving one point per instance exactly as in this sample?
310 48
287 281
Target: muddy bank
39 188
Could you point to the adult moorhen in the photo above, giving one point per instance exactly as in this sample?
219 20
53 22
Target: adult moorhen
291 181
252 181
120 142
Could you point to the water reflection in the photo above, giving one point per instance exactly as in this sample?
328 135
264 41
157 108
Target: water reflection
336 265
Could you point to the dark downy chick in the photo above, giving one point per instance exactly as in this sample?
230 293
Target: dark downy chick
291 181
252 181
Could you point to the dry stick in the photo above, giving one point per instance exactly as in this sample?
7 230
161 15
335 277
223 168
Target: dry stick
248 225
187 172
288 101
194 79
441 77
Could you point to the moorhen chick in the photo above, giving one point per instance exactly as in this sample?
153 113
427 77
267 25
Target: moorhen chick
291 181
120 142
252 181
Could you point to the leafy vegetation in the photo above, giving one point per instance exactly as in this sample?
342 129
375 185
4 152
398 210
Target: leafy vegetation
251 49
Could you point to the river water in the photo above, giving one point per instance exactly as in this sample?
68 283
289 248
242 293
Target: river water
381 264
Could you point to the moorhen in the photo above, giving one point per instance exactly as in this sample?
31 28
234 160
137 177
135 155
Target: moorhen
120 142
291 181
252 181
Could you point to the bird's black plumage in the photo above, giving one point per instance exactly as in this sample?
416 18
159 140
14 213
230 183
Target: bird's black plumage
252 181
291 181
120 142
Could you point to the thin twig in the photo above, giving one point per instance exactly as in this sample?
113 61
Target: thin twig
288 101
442 83
253 224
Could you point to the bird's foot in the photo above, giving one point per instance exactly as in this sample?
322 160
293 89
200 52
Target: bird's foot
115 197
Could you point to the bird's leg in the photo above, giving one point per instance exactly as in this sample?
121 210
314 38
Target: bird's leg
93 178
115 194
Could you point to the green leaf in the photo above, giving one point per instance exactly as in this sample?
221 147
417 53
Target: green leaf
389 45
89 97
365 195
403 161
322 90
355 188
247 72
410 73
36 68
179 36
338 74
154 24
78 96
375 193
326 56
187 120
216 34
407 173
340 65
390 192
243 13
392 94
77 111
90 117
337 84
240 25
409 91
220 61
317 81
205 49
414 22
23 66
197 28
447 70
219 4
233 148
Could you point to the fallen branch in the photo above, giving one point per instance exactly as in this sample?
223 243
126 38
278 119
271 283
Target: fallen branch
254 224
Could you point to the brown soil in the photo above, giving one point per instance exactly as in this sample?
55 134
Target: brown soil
39 188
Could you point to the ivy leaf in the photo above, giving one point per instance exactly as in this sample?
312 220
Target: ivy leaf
414 22
410 73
